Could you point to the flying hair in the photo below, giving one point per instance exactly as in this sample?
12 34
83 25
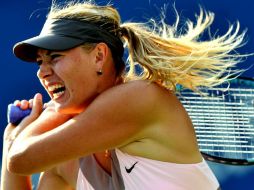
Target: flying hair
165 54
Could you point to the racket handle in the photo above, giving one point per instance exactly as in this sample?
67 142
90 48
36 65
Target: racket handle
15 114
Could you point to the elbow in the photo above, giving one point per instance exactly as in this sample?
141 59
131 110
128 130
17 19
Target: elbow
17 163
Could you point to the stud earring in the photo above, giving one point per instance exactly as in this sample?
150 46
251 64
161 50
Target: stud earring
99 72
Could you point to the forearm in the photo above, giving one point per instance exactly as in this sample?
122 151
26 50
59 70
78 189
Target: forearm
18 138
10 181
48 120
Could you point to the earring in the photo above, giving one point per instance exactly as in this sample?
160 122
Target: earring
99 72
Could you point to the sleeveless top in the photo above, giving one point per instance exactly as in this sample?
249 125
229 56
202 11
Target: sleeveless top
137 173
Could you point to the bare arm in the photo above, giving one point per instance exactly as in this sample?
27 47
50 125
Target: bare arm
10 180
114 119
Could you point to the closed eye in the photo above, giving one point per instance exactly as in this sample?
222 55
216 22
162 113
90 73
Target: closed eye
54 56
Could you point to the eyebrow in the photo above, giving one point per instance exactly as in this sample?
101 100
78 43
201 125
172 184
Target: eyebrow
48 52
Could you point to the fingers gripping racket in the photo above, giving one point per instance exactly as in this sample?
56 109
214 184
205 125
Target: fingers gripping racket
223 121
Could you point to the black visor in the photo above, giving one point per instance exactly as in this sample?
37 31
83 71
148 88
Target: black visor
63 34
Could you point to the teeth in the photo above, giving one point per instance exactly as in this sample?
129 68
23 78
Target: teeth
57 90
58 94
56 86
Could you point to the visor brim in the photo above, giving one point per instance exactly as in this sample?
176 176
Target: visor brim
27 49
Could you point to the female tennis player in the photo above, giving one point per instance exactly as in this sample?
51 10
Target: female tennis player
110 127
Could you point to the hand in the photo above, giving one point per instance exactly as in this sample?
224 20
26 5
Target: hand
50 118
44 119
12 131
18 138
10 180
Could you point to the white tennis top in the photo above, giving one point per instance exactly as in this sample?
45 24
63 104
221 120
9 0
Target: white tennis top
138 173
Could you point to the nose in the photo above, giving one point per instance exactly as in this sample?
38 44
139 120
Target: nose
44 71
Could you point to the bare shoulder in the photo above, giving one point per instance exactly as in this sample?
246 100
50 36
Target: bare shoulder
139 104
166 124
155 102
143 94
142 87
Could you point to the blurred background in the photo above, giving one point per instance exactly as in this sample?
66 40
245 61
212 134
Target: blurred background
23 19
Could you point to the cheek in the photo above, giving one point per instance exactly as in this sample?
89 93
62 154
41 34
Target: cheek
83 87
77 83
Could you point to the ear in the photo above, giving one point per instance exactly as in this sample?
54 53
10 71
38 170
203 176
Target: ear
101 54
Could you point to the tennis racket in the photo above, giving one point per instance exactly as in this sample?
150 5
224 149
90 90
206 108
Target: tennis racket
224 121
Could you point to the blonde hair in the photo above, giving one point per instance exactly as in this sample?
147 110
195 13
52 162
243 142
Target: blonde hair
166 56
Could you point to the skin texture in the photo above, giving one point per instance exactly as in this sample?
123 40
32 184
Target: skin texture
95 113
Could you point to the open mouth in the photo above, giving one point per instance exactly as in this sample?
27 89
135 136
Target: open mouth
56 90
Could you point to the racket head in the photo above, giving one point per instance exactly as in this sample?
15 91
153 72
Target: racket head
224 121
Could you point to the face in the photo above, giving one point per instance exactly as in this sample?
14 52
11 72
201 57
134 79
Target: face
69 77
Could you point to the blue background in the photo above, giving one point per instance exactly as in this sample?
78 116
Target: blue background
21 19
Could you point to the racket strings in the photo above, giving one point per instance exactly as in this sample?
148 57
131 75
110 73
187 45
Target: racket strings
223 121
